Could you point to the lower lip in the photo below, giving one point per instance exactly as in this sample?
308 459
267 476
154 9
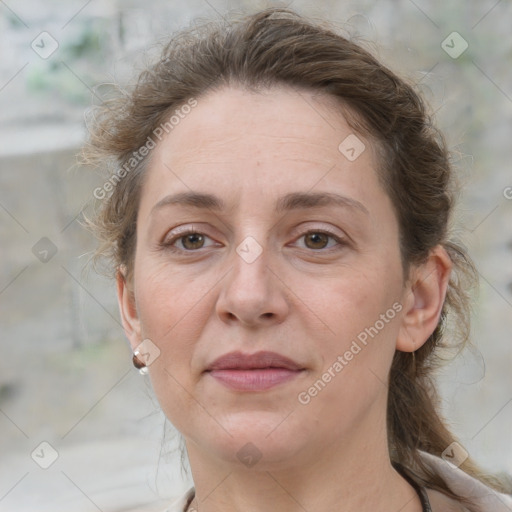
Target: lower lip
254 380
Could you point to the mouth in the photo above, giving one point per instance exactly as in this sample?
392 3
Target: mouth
254 372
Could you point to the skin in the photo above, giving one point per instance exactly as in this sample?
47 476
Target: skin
306 298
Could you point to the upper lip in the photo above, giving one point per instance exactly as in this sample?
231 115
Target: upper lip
259 360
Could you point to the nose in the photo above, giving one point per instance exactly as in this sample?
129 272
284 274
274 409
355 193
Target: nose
252 293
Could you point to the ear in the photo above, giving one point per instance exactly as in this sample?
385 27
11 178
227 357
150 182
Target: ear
128 309
423 299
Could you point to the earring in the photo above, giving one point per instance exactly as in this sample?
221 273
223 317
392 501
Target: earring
143 370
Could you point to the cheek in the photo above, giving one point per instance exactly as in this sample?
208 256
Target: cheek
171 313
360 310
171 310
354 299
169 300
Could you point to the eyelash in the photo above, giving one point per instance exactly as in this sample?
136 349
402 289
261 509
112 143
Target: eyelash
169 244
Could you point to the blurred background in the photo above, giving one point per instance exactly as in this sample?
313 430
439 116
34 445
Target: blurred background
80 429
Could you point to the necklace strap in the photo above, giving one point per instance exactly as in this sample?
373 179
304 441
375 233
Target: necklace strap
422 493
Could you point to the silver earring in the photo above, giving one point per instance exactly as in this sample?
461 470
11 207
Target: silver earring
143 369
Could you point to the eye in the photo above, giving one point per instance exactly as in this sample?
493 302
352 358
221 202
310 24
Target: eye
189 240
319 239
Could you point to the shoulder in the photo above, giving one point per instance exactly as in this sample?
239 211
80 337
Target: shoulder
176 504
180 503
480 497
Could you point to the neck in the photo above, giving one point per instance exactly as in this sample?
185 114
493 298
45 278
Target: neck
354 476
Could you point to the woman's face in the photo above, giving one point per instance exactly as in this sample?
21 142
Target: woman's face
294 251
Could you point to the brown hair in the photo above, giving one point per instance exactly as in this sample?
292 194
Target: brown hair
279 47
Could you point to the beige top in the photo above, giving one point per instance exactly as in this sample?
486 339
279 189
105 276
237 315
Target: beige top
483 498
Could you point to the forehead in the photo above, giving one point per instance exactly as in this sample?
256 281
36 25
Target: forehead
234 118
272 141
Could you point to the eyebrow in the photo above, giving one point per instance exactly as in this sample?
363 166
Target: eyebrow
291 201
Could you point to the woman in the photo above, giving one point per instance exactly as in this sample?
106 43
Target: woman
277 215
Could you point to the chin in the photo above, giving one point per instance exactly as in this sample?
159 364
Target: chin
260 440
